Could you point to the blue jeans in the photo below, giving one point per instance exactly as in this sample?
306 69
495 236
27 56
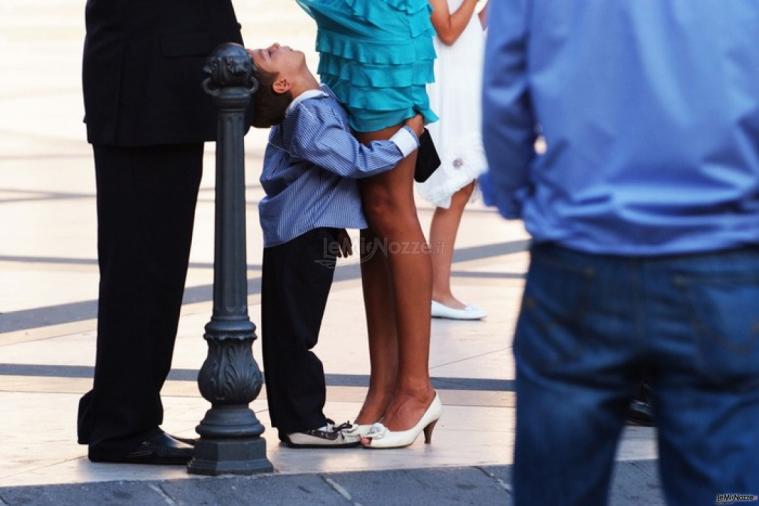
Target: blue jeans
590 325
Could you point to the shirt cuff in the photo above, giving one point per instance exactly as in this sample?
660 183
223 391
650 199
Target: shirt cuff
406 140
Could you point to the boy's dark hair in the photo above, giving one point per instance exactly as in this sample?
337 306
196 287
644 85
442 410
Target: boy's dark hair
269 107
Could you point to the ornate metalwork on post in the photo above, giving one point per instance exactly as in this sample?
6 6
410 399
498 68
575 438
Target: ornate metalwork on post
230 379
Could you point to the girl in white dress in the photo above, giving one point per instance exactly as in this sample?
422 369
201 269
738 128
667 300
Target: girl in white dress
455 97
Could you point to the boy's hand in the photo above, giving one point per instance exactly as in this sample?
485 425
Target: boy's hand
416 124
344 244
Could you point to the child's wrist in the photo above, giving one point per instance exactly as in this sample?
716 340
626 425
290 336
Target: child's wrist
406 140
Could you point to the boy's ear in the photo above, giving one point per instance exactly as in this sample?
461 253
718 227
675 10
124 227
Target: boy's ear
281 85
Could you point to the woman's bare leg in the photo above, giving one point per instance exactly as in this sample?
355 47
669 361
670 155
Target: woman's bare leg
391 212
443 230
380 321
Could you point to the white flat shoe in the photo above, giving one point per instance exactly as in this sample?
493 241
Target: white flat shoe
358 430
329 436
471 312
382 438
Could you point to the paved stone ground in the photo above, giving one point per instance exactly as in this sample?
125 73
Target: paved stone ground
476 486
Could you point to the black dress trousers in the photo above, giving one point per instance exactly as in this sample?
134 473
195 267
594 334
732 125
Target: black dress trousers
297 277
146 200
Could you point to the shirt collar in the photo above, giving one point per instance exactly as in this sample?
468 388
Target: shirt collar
305 96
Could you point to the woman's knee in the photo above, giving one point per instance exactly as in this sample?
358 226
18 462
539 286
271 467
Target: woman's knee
378 201
386 212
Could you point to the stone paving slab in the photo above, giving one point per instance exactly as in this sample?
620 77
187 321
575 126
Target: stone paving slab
422 487
635 484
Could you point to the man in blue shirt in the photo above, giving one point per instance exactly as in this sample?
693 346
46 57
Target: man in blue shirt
644 210
311 165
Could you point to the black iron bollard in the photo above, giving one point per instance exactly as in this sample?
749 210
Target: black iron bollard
230 433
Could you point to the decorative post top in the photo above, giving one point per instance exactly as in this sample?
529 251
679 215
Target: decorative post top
229 66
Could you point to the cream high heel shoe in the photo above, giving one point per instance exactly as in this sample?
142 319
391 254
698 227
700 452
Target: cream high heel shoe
382 437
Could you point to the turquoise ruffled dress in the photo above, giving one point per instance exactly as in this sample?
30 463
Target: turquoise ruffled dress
377 56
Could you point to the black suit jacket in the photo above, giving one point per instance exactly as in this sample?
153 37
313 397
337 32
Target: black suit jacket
142 69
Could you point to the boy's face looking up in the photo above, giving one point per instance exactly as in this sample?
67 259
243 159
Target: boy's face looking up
282 62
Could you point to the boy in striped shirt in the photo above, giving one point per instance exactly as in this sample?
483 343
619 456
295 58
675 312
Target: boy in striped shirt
311 165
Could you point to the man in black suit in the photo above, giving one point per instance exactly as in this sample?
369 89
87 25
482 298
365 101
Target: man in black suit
147 118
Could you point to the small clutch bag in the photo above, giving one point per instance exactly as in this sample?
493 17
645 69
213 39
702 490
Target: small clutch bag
427 159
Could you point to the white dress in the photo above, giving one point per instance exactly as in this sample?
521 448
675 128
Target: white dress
455 97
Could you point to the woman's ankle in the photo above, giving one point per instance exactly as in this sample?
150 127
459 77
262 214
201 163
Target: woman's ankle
374 407
419 390
370 414
448 299
440 293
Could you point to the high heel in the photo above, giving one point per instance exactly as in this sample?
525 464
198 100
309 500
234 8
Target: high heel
428 433
381 437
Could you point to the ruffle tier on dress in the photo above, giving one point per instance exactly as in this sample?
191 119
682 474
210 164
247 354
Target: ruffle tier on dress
377 56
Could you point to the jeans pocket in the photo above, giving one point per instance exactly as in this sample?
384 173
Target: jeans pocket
724 315
552 322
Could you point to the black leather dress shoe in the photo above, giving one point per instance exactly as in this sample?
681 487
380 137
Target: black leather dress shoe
641 412
160 449
192 441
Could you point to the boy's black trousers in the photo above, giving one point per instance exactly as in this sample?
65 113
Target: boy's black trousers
297 277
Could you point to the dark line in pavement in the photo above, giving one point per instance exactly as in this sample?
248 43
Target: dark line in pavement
43 195
87 310
45 198
490 250
18 190
250 155
334 380
492 275
93 261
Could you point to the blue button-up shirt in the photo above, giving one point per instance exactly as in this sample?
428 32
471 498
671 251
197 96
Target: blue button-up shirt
311 165
650 114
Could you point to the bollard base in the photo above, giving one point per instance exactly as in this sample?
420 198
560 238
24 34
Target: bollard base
214 457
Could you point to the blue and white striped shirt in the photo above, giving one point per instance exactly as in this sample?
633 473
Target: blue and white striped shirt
311 165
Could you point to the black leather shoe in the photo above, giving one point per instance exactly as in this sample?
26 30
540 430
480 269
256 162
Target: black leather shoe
192 441
641 412
160 449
